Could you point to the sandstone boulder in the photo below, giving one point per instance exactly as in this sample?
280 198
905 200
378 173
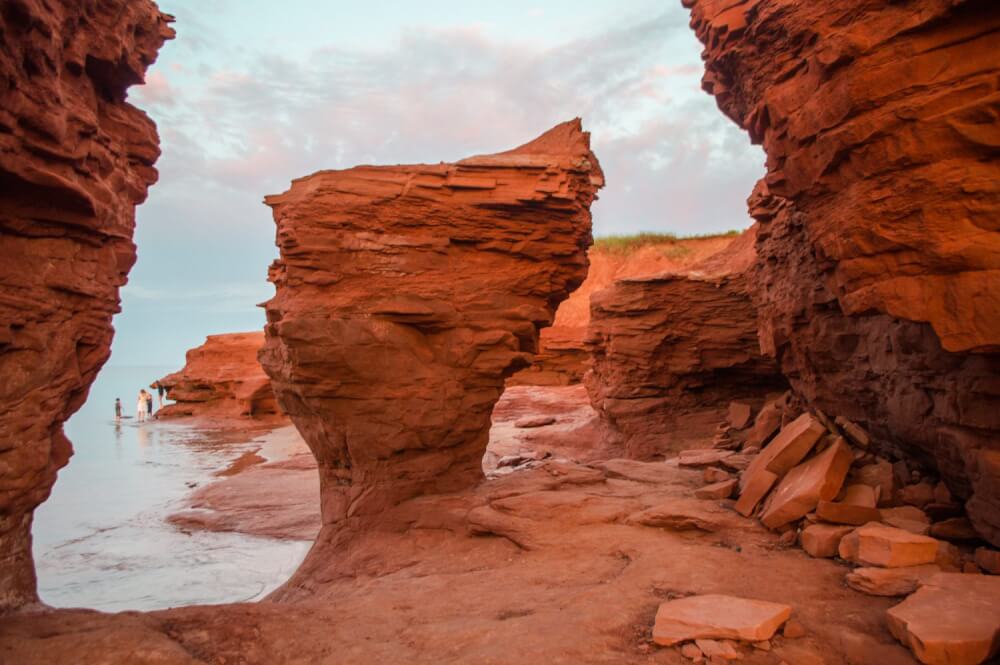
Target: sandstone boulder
879 476
767 423
856 507
720 490
823 540
890 581
910 518
918 494
815 480
739 415
718 617
988 559
712 474
955 528
952 619
888 547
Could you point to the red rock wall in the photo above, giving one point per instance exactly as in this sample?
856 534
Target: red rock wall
222 377
562 357
665 345
75 160
405 296
878 282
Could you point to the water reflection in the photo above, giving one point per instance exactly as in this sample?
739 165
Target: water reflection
101 539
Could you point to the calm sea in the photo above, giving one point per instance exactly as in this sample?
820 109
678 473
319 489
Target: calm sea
101 539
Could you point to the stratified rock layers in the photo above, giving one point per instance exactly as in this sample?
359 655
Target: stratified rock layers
676 341
75 160
405 295
878 279
221 377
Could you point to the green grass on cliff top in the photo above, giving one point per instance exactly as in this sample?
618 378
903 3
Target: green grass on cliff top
626 244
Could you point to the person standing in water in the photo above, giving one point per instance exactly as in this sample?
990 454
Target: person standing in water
118 409
149 405
140 406
160 391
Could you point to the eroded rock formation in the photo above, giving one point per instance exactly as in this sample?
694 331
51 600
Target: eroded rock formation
405 296
666 344
75 160
563 358
878 279
222 377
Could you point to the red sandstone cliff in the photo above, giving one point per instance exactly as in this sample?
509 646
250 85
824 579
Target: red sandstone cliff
562 355
75 160
222 377
878 280
405 295
666 344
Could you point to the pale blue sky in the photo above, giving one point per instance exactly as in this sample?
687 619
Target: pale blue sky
253 93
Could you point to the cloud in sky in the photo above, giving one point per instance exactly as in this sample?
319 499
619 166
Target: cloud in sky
244 106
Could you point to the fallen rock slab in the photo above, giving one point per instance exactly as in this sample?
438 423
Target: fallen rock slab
890 581
822 540
910 518
856 507
988 559
720 490
818 479
955 528
739 414
952 619
754 489
854 432
792 444
718 617
787 449
888 547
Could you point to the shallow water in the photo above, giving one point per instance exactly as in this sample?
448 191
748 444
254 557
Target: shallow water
102 541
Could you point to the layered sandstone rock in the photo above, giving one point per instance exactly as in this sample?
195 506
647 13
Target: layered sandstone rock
221 377
878 278
405 296
672 342
75 160
562 357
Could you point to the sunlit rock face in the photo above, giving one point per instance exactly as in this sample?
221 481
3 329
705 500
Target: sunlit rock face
878 278
665 345
405 296
222 377
75 160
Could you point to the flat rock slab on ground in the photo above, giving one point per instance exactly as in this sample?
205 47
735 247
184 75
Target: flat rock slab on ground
952 619
683 514
890 581
719 617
